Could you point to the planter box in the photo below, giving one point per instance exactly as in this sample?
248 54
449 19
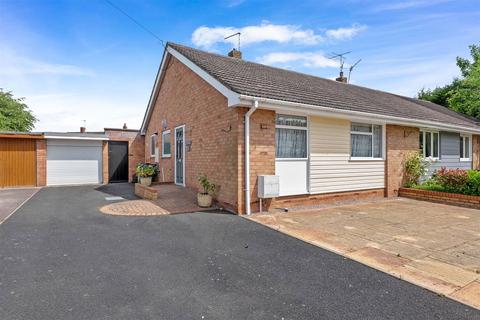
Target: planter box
454 199
145 192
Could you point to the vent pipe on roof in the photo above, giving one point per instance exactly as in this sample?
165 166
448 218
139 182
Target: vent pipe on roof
83 127
125 126
341 78
235 54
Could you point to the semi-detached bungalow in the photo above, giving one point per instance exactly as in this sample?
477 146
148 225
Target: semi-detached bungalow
235 120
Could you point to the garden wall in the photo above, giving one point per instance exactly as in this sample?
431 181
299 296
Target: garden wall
455 199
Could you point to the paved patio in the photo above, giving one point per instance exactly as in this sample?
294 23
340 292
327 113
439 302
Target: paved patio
172 199
432 245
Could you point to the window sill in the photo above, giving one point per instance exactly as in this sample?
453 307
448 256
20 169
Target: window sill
354 159
166 156
465 160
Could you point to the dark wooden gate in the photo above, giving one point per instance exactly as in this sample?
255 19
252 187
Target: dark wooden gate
118 161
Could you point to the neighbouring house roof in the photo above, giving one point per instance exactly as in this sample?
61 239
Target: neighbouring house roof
257 80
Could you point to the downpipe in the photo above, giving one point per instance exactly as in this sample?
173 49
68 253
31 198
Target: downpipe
247 155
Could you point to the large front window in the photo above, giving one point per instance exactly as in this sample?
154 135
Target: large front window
366 141
291 137
429 143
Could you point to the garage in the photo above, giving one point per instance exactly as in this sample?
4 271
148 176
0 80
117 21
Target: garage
73 161
18 160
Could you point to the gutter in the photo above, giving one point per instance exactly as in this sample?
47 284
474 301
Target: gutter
275 104
75 138
247 155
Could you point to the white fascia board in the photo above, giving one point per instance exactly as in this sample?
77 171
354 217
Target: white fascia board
153 94
75 138
233 97
307 109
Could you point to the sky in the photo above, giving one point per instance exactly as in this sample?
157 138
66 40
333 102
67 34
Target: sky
75 60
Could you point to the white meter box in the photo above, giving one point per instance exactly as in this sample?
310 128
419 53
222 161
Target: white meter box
268 186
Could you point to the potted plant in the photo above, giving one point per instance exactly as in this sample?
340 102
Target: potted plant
145 172
205 198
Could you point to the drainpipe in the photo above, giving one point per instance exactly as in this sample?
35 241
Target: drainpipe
247 155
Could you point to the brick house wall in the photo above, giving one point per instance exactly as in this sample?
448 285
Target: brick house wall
136 149
476 152
211 132
401 141
41 159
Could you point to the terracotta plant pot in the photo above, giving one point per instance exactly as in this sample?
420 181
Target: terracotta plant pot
146 181
204 200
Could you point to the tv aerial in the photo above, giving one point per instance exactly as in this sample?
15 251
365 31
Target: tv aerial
233 35
351 68
341 58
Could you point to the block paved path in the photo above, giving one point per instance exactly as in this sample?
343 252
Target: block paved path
63 259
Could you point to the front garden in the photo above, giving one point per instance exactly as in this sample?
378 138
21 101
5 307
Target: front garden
466 182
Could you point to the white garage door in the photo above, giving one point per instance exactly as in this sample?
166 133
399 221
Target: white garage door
74 162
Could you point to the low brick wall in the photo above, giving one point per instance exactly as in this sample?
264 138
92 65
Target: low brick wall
455 199
323 199
145 192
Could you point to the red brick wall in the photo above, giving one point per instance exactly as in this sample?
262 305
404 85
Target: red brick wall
136 149
262 153
211 129
476 152
455 199
41 163
400 142
105 162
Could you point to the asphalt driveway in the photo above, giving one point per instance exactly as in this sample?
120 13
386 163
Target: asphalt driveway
11 199
62 259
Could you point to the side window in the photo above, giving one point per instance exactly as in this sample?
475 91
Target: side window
153 145
290 137
166 144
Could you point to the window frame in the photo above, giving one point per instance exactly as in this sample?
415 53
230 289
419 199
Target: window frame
371 134
432 133
166 155
462 140
154 144
284 126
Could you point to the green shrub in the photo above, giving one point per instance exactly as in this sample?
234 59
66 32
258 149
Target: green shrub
452 180
144 170
415 168
208 187
473 185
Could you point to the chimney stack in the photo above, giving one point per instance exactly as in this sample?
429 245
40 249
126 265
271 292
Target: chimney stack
125 126
83 126
235 54
341 78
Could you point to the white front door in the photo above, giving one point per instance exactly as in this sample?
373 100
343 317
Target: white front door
73 162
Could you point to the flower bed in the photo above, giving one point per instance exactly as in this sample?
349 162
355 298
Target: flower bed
455 199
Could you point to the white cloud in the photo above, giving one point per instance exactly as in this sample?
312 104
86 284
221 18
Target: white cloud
206 36
345 33
402 5
307 59
15 65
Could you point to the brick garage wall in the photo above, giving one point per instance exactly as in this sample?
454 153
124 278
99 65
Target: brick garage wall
476 152
460 200
262 154
105 162
211 132
136 148
401 141
41 154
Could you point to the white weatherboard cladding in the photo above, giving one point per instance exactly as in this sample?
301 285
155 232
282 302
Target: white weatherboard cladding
331 169
73 162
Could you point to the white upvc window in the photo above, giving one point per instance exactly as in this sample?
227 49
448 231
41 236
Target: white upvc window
291 137
465 147
166 144
153 146
430 144
366 141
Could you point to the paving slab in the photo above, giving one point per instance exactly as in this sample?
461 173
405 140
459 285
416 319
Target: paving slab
11 199
432 245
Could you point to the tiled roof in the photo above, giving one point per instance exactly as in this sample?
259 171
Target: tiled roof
257 80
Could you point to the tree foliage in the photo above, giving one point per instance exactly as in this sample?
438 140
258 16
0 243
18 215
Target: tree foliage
463 94
14 114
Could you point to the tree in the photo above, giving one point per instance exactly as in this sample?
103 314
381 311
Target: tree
463 94
14 114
